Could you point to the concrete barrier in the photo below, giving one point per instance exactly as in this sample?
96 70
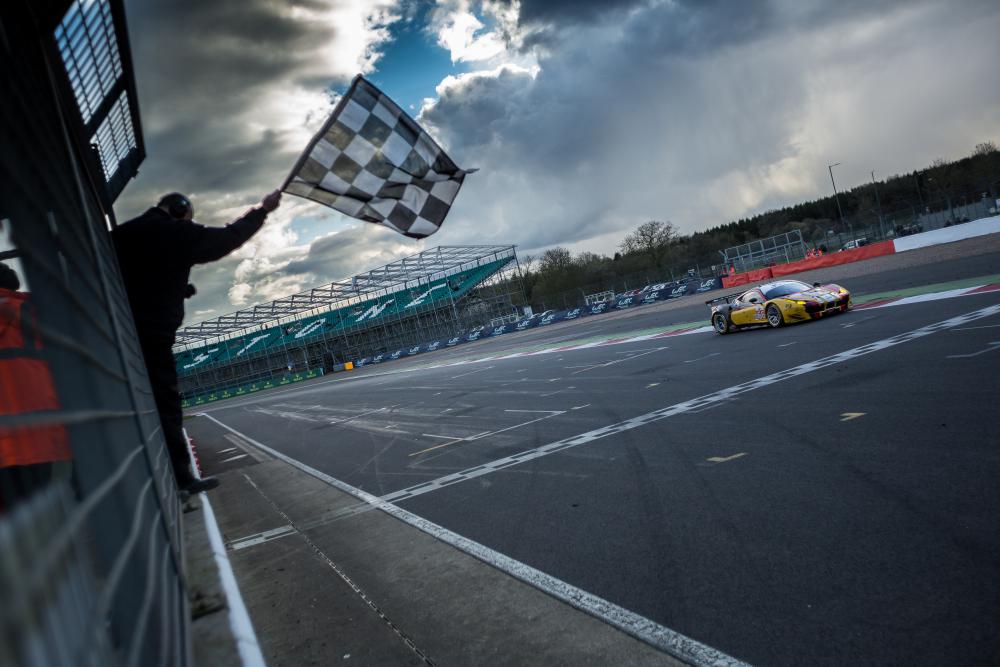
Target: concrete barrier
964 230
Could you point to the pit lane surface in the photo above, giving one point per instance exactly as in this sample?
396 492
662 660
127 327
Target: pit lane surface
843 515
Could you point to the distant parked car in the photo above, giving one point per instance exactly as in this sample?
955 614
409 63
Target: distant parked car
906 230
856 243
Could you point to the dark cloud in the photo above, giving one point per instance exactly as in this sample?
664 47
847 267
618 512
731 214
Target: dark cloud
571 12
695 111
229 93
705 112
204 69
688 26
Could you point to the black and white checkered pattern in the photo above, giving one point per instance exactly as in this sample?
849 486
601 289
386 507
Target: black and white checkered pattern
373 162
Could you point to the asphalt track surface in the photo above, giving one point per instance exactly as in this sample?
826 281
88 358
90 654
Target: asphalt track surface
845 513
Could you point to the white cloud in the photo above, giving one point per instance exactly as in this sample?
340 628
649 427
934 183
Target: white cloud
585 117
689 112
244 88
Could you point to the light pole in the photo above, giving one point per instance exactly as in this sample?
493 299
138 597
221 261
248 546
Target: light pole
878 202
836 195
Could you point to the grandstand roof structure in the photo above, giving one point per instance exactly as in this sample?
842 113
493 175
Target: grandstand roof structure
411 270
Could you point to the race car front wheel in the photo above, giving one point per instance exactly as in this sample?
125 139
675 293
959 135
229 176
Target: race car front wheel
774 316
721 323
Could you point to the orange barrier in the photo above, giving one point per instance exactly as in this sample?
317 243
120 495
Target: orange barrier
735 280
748 277
835 259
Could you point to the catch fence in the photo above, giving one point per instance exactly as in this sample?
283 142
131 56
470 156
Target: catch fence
90 563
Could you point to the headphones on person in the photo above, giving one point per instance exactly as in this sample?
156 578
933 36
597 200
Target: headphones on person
178 206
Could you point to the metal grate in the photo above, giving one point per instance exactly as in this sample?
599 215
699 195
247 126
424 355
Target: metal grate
422 267
92 44
115 137
89 49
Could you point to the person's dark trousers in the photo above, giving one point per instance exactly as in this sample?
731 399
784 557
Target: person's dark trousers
158 352
18 483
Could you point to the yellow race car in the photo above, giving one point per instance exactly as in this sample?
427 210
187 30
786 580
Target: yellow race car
776 304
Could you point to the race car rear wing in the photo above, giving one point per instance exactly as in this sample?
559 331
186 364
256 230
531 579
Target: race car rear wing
720 299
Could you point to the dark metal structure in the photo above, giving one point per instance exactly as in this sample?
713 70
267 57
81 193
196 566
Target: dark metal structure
90 564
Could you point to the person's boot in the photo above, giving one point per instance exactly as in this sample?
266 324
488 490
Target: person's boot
198 485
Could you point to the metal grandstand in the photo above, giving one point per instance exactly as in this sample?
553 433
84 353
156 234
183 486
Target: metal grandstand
438 293
421 267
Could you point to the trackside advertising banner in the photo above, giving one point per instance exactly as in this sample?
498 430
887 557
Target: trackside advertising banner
651 294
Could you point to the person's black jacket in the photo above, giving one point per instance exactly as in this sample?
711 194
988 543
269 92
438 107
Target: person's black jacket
156 253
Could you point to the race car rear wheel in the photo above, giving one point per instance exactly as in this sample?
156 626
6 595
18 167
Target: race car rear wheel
721 324
774 317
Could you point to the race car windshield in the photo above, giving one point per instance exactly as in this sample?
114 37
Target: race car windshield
784 289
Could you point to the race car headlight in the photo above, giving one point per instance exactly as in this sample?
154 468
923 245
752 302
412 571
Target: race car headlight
801 303
843 291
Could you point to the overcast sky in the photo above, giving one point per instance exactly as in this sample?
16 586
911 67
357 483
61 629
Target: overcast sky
585 117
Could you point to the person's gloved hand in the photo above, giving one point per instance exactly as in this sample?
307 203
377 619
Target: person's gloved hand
189 291
271 201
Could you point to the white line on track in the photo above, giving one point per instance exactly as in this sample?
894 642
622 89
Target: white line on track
985 326
787 344
657 635
681 646
693 405
241 444
347 419
710 354
855 322
478 370
618 361
992 346
446 362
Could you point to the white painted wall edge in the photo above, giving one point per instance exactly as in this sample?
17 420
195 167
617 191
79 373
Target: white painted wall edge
965 230
239 617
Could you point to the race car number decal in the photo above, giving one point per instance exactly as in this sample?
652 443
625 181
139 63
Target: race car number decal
759 312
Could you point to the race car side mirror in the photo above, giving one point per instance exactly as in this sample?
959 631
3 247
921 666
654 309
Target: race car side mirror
816 284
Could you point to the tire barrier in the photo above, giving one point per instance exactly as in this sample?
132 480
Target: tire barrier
651 294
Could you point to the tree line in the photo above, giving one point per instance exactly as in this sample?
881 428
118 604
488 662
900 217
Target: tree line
656 251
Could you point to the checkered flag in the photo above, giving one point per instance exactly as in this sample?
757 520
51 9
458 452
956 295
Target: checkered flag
373 162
